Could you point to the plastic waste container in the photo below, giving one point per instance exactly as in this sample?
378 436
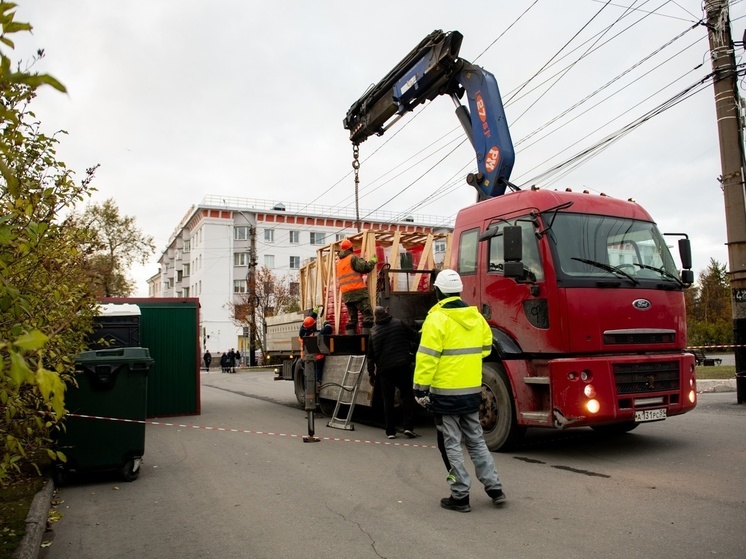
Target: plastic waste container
112 386
117 325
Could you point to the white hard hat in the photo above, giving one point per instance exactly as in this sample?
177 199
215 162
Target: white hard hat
448 281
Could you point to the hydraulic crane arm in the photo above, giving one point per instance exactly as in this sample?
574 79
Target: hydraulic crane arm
431 69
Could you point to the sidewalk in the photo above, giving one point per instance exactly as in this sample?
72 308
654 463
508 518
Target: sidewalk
716 385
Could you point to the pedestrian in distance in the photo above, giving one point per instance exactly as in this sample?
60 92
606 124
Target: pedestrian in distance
207 359
390 366
232 361
350 271
224 362
448 382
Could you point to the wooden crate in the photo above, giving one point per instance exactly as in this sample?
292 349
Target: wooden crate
318 278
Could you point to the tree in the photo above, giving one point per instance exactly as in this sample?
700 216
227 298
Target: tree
117 244
709 318
46 308
273 295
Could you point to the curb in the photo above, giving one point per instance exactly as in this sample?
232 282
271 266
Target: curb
36 523
716 385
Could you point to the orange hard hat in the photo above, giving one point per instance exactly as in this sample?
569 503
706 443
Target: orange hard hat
345 244
309 321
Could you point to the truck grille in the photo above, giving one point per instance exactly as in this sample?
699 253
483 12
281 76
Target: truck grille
639 338
640 378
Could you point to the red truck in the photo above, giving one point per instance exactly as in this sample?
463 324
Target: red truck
585 301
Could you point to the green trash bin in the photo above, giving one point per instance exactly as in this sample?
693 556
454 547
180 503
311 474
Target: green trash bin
112 386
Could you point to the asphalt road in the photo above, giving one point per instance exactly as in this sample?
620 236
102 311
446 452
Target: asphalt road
672 489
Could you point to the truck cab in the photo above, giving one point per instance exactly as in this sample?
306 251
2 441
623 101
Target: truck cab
587 312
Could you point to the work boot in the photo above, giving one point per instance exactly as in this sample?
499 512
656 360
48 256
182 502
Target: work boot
497 496
459 505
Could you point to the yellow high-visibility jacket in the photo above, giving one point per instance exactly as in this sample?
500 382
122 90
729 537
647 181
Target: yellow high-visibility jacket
455 339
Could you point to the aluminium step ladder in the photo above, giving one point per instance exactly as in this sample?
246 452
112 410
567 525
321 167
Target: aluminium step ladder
347 393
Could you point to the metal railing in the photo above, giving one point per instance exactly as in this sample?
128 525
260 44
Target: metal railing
254 204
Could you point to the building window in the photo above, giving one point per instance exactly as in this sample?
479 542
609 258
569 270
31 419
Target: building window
186 269
318 238
294 262
269 235
187 245
241 232
239 286
186 292
339 236
440 246
240 259
269 261
179 275
294 237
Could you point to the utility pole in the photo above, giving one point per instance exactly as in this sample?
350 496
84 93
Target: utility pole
727 108
252 294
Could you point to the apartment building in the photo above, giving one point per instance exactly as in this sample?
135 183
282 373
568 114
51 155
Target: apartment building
208 254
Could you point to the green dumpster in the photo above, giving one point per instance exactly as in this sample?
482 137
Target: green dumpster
105 426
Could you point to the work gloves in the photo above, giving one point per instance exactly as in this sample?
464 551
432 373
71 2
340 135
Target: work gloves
372 379
373 259
422 398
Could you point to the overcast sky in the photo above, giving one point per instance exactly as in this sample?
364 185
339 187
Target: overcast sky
178 99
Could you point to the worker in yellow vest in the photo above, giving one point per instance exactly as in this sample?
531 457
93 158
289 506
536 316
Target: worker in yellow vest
352 284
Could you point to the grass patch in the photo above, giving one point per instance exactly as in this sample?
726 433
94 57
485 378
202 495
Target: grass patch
15 501
716 373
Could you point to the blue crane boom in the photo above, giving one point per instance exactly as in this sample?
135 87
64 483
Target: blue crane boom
431 69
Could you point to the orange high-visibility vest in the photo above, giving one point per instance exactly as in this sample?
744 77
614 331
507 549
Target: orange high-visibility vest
348 279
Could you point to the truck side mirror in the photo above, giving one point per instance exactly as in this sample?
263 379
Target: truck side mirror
513 252
512 244
685 252
687 277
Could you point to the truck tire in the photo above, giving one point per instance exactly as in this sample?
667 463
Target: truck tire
326 406
299 381
497 411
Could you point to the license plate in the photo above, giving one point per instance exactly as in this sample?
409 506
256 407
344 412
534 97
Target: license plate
650 415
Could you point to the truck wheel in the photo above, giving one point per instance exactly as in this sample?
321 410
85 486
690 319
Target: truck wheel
327 406
497 411
299 380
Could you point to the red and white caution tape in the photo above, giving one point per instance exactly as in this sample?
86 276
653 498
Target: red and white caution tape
736 346
246 431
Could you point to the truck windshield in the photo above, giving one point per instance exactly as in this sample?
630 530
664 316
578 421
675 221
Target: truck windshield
597 247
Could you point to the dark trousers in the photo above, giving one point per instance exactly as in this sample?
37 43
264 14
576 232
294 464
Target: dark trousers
363 307
390 381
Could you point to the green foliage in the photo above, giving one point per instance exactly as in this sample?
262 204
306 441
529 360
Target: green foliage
709 311
46 306
117 243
